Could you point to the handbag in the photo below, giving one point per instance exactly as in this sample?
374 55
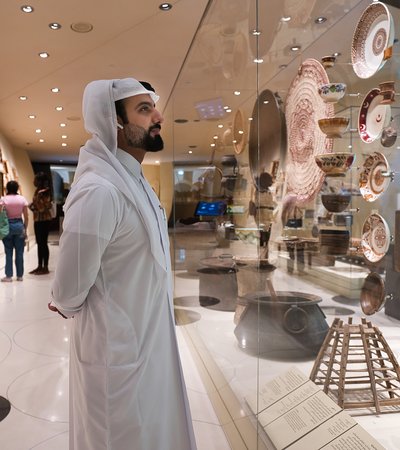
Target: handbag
4 225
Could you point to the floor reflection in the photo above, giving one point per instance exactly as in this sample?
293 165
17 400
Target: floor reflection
185 316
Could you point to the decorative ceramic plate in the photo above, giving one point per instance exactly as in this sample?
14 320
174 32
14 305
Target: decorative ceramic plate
239 131
371 182
304 107
267 142
372 40
372 297
375 238
373 116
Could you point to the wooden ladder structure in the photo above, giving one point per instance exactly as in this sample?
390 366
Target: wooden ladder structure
357 368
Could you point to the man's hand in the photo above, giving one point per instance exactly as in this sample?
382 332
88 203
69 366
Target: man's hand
54 309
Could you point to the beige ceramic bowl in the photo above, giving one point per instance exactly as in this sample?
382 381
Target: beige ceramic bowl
335 164
334 127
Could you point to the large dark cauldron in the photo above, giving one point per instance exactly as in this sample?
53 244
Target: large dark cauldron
290 325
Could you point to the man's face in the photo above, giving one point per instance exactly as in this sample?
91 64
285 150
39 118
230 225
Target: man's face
143 129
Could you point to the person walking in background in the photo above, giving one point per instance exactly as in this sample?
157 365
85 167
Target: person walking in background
41 207
16 207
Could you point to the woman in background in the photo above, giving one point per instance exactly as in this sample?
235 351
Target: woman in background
16 207
42 214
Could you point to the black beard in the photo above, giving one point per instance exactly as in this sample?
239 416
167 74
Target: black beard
138 137
153 143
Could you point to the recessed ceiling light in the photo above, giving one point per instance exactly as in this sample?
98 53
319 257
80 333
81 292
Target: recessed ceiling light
336 54
157 161
63 144
59 108
265 102
256 32
41 140
220 125
23 97
320 19
38 130
258 60
81 27
286 19
44 55
226 107
240 131
237 92
295 48
55 90
250 118
228 110
215 137
63 125
64 136
212 145
32 116
190 152
54 26
165 6
27 9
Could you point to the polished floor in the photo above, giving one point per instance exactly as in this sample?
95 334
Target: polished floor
34 370
34 356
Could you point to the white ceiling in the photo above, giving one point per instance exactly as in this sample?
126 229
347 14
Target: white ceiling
199 50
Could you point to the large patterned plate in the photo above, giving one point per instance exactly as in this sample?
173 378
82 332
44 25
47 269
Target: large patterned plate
375 238
372 40
372 183
304 107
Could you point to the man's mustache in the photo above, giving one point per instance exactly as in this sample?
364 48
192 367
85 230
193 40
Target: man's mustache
156 126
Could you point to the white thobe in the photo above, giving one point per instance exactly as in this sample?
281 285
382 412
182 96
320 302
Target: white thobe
114 278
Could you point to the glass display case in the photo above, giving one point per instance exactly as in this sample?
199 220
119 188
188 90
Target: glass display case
285 221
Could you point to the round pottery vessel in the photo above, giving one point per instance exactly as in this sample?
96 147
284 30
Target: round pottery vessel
336 202
333 127
372 297
335 164
332 92
289 325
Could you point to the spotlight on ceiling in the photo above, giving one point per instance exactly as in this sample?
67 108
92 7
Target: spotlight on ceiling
26 8
54 26
165 6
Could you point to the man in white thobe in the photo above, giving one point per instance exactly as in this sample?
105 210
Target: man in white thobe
113 278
